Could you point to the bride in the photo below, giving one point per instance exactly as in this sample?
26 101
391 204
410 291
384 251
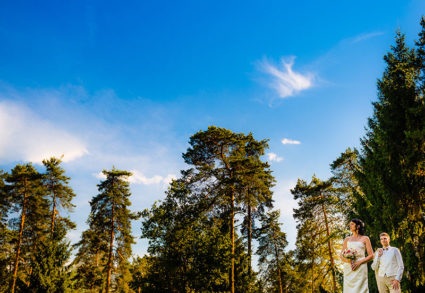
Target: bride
355 272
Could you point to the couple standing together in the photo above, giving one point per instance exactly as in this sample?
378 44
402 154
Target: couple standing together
387 262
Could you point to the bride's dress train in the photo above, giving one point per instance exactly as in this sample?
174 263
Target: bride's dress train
356 281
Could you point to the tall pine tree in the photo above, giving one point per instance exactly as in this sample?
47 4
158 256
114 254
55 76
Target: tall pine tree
29 202
392 159
109 237
56 184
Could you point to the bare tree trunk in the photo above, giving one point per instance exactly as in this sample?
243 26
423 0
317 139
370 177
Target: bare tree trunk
330 249
111 248
21 230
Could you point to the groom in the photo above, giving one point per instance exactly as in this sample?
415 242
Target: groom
388 266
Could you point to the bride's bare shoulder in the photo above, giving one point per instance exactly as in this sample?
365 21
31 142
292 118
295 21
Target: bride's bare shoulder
365 239
347 239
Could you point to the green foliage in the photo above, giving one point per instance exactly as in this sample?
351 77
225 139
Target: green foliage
319 226
26 231
50 272
56 184
393 157
5 235
191 251
29 226
271 246
385 182
192 238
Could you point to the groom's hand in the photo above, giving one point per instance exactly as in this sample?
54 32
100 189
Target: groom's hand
380 252
396 284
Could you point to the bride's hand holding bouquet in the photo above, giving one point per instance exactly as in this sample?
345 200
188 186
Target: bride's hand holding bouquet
352 255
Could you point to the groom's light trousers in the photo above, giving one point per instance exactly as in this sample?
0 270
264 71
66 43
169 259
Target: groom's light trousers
385 284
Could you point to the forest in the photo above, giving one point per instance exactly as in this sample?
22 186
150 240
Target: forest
219 215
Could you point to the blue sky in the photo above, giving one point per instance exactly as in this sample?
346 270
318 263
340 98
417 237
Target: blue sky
126 84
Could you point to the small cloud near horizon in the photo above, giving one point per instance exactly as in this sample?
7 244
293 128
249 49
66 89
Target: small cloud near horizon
290 141
140 178
285 80
272 157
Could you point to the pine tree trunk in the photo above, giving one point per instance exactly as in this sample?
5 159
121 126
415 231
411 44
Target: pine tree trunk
280 281
111 247
312 268
21 230
249 239
312 276
232 222
232 231
53 213
278 268
330 248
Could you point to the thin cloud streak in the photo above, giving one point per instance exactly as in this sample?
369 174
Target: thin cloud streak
290 141
366 36
285 80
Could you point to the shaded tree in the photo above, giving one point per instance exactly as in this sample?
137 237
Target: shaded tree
272 243
392 158
319 211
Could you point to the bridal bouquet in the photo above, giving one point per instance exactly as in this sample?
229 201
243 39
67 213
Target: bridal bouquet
350 253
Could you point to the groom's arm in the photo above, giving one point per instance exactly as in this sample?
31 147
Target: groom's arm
376 259
400 265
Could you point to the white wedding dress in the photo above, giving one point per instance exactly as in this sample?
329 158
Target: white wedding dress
356 281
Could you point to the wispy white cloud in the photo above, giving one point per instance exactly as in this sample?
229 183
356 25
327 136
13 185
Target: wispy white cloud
290 141
272 157
285 80
366 36
27 137
140 178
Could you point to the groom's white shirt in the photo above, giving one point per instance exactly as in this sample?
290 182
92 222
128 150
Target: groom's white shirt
389 264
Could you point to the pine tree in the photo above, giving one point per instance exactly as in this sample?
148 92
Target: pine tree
272 242
139 270
392 158
108 240
221 158
56 185
255 183
189 249
318 206
28 200
51 273
89 261
5 235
